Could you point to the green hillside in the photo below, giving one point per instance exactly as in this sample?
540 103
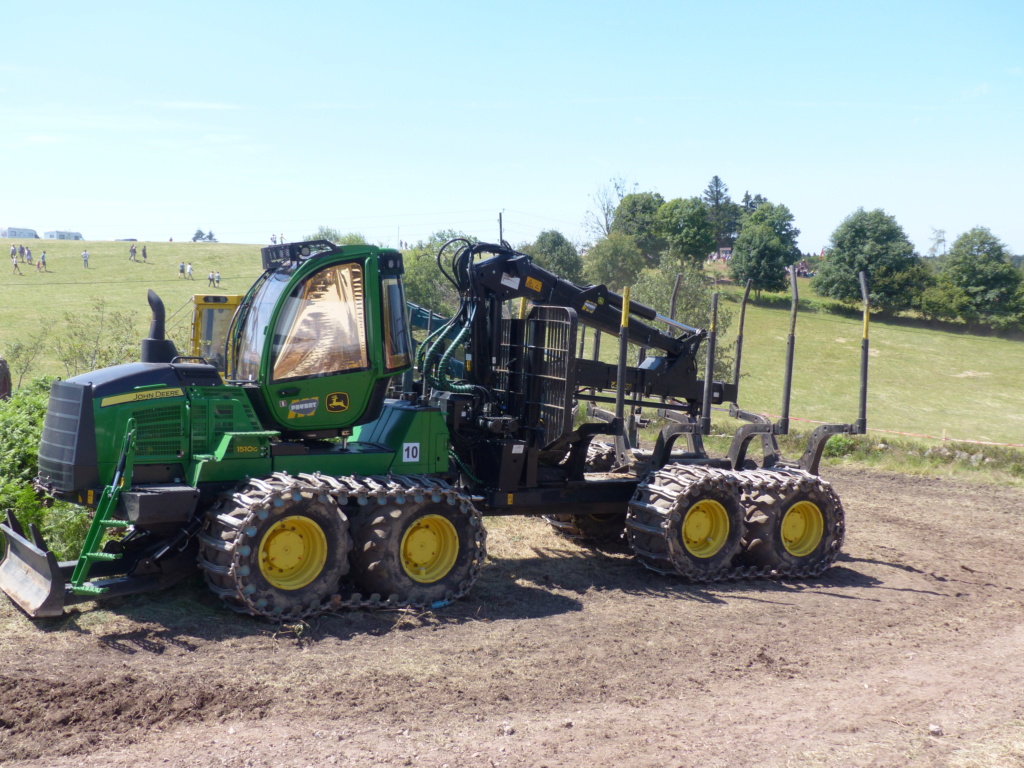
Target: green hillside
921 381
35 299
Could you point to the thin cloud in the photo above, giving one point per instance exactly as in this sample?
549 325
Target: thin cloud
224 138
209 106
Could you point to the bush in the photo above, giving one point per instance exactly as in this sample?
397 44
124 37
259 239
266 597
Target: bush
839 445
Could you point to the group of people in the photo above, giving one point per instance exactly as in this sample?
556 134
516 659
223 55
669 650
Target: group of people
22 255
19 253
133 254
186 272
277 239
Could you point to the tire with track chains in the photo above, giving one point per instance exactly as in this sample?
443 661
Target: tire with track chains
794 521
664 497
233 525
418 549
592 529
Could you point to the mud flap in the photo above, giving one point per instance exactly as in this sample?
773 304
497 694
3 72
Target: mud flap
30 573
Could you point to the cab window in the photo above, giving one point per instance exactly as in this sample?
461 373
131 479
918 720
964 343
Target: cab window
322 327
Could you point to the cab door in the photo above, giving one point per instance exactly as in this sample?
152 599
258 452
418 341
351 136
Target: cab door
320 366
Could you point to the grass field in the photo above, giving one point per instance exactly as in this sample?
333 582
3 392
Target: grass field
922 381
34 300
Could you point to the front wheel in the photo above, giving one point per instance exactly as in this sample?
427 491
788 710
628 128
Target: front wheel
425 553
277 548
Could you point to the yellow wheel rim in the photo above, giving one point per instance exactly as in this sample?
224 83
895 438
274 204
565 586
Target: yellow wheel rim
429 549
292 553
705 528
802 528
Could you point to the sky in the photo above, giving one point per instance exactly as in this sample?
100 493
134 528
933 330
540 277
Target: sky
399 119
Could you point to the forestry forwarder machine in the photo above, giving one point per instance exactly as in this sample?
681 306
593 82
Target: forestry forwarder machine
298 487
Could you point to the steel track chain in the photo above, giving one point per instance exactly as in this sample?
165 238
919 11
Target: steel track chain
645 518
262 494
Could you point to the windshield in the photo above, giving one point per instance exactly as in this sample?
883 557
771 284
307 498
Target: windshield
249 347
322 326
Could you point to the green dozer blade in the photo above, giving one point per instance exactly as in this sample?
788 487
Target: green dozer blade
30 573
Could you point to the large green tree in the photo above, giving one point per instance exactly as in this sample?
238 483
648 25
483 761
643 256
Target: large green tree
980 282
761 256
780 219
872 242
614 260
687 230
553 251
765 247
637 217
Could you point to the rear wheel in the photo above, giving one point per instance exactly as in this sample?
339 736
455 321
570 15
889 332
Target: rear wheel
276 548
592 529
801 528
589 529
423 553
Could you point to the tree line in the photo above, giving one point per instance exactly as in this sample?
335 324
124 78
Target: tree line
642 240
977 281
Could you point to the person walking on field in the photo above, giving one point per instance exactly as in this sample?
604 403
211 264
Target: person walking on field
14 250
28 256
42 262
209 280
144 254
181 270
85 258
14 261
21 251
188 271
216 280
131 253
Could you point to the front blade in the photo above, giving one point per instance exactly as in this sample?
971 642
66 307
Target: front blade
30 573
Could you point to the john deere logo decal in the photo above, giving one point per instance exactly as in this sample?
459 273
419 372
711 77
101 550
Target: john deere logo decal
337 402
134 397
305 407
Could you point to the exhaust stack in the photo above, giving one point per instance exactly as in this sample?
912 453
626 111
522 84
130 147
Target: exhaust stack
156 348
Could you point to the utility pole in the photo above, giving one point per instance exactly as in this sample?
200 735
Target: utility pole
501 229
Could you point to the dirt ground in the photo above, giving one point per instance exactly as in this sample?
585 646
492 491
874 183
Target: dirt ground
908 652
